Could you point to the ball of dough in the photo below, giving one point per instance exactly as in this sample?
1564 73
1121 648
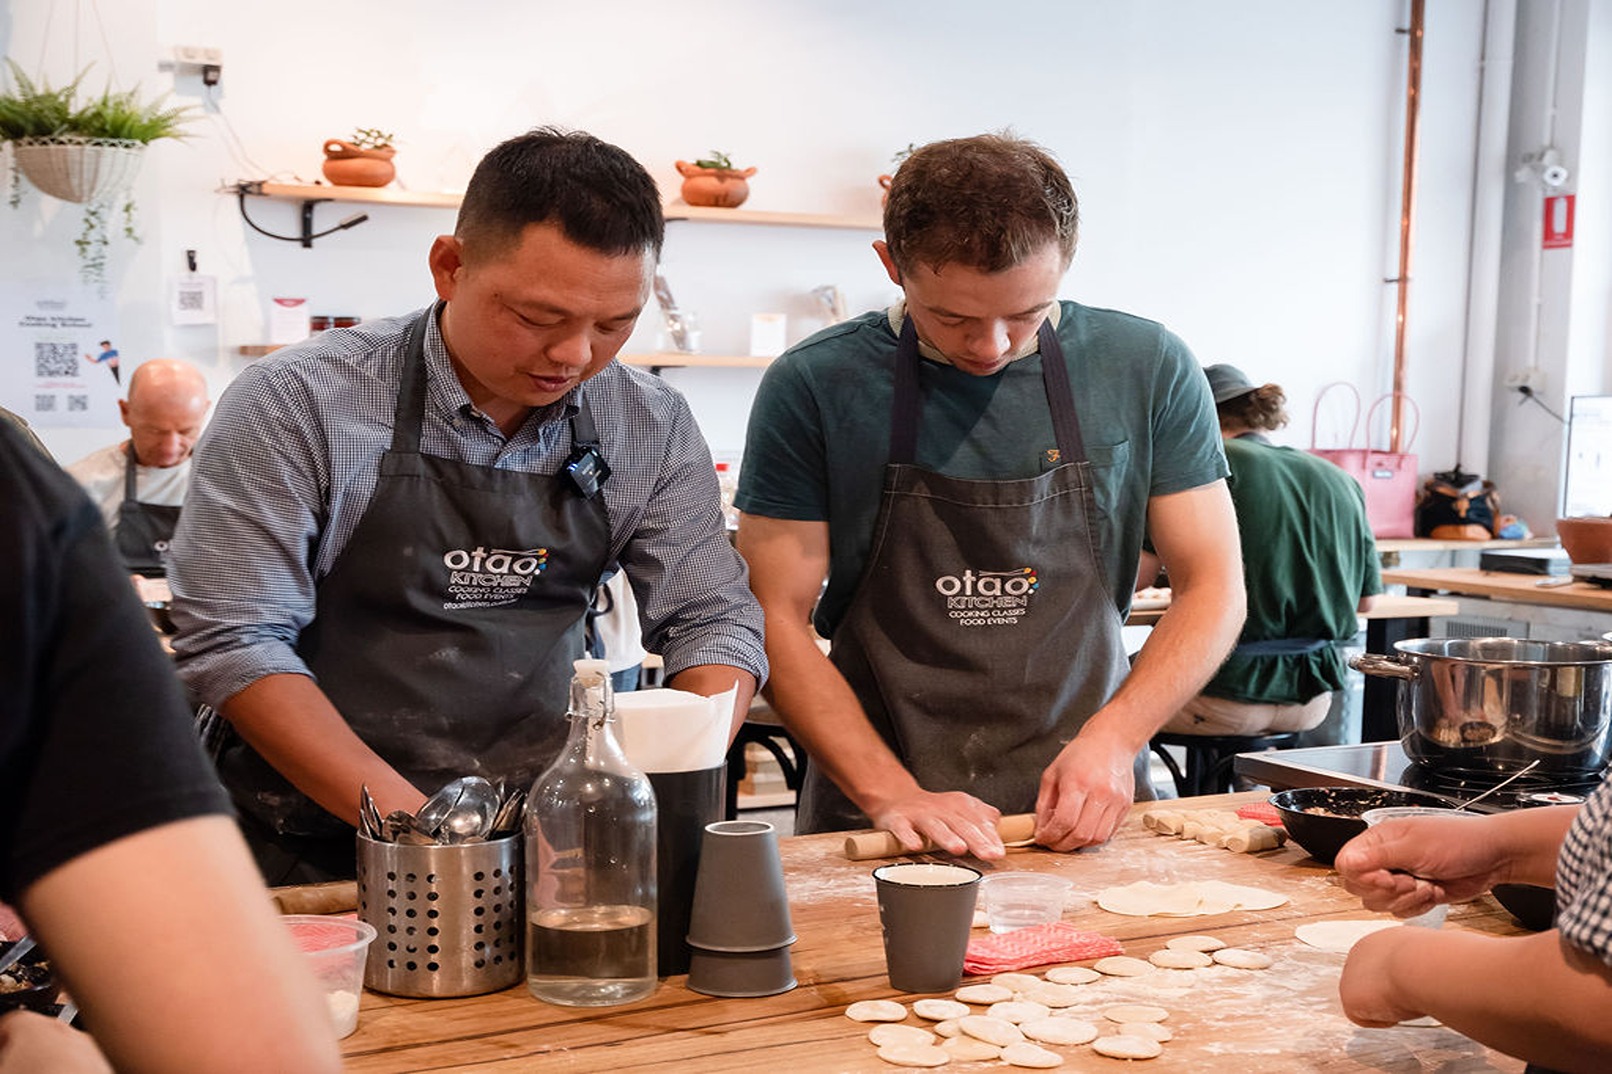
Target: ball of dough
1180 960
1195 943
1018 1010
1025 1054
1148 1030
1242 959
984 993
914 1055
1122 966
997 1031
1119 1047
1073 975
967 1049
888 1033
876 1010
938 1010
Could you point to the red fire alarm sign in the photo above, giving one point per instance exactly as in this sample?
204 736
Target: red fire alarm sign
1558 221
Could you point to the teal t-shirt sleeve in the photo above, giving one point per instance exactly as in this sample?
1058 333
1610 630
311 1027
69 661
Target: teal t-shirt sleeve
1187 449
784 473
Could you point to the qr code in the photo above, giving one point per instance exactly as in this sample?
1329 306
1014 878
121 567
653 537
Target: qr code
192 299
77 403
44 404
55 359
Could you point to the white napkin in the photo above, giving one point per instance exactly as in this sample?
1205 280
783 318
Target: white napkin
674 730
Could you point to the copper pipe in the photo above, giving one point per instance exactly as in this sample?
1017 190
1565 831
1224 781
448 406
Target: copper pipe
1407 215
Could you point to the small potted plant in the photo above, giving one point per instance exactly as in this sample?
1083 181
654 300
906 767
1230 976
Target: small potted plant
365 159
87 152
714 181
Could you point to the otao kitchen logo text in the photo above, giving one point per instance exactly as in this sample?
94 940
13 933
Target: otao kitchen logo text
988 598
485 578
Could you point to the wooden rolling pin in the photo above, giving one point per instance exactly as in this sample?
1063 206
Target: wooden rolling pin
334 897
866 845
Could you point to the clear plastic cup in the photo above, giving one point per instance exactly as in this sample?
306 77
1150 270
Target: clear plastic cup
336 948
1020 900
1434 918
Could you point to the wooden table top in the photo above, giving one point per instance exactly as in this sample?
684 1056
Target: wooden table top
1502 585
1285 1019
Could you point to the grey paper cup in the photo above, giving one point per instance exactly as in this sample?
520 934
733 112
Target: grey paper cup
739 900
740 974
926 911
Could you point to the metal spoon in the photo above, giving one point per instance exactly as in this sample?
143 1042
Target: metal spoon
472 816
369 814
1523 771
508 819
429 817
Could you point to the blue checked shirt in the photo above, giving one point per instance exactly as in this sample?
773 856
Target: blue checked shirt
290 459
1584 878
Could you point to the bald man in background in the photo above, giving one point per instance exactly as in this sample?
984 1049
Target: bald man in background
140 483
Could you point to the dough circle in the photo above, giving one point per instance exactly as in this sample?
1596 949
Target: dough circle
1018 1010
915 1055
1195 943
1049 994
1193 898
1239 958
1135 1012
1025 1054
984 993
995 1031
1341 935
971 1049
876 1010
1016 981
938 1010
1123 966
948 1028
1059 1031
887 1033
1170 959
1124 1047
1149 1030
1073 975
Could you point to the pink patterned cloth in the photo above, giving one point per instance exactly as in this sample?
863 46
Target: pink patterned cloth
1038 945
1263 812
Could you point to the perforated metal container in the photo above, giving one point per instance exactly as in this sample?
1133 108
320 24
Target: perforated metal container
448 918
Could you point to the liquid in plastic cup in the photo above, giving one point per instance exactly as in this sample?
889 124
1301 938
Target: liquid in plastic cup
336 948
1020 900
1434 918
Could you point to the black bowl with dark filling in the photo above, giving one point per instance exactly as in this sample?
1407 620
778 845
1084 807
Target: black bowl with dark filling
29 985
1322 819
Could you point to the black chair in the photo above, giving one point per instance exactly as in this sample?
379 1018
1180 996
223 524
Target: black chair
762 728
1210 757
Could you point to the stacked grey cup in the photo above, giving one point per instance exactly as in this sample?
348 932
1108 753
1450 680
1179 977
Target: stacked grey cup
739 931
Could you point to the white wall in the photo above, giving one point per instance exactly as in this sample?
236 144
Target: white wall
1237 161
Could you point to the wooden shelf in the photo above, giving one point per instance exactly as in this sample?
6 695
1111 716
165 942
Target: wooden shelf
368 195
678 211
385 195
257 350
676 359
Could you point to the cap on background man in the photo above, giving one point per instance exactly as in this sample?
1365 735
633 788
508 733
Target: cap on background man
1227 382
139 483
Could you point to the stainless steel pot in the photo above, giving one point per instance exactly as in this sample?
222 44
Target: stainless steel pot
1485 705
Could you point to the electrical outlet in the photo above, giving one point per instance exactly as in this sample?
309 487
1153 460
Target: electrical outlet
1532 378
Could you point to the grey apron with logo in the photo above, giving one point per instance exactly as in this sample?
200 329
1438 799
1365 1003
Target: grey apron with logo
983 634
445 631
144 529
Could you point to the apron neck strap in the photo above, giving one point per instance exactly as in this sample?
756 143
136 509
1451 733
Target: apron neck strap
906 410
129 466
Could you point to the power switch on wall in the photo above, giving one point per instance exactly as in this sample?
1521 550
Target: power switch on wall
1532 379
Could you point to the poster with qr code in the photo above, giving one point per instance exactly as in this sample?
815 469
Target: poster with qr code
59 360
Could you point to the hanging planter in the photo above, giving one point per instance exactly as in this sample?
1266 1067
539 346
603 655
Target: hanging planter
78 169
85 152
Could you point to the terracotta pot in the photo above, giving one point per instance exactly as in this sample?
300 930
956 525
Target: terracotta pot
348 165
723 188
